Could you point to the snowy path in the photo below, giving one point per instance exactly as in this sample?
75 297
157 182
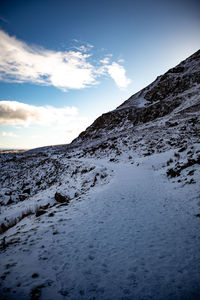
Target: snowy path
136 238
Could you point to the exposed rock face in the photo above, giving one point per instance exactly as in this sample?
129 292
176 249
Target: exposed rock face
168 93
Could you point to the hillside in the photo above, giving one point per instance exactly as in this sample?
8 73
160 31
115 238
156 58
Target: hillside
115 214
172 100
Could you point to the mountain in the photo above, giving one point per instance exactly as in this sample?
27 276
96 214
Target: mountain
115 214
172 100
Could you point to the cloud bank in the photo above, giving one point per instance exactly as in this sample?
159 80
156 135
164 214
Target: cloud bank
18 113
39 125
20 62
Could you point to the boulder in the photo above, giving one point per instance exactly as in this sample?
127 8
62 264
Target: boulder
27 191
40 212
62 198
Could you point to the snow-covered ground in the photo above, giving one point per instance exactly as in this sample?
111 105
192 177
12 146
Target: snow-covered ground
135 238
29 183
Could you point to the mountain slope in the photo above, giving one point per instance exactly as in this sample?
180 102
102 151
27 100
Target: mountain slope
174 94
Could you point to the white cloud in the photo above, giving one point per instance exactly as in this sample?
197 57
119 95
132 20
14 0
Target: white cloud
118 74
18 113
105 61
50 125
8 134
20 62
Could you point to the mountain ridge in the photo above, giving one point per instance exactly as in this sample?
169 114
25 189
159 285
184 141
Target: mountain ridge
170 95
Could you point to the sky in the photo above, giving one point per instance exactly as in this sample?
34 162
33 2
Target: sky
64 63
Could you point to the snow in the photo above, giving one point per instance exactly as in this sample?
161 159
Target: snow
54 173
134 238
137 102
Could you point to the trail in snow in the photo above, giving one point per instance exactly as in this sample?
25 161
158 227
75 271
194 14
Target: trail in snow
136 238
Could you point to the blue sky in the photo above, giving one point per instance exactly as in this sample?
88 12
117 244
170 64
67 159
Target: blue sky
64 63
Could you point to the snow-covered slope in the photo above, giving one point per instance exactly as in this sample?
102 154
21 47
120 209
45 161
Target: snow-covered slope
115 214
174 95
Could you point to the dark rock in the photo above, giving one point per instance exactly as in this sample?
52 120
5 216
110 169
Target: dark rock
22 197
95 181
84 171
9 193
82 293
170 124
182 149
27 191
191 172
36 292
62 198
112 159
147 153
51 214
3 243
10 201
192 181
189 152
55 232
173 173
40 212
